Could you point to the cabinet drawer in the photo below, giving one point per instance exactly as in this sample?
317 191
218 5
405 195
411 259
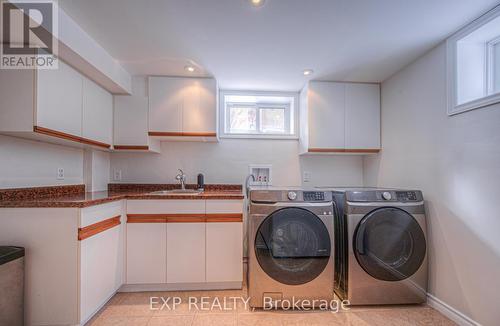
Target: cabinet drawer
224 206
94 214
166 206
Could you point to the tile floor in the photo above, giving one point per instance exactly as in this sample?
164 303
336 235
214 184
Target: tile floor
133 309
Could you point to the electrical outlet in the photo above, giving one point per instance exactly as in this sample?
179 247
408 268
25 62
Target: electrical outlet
118 175
60 174
307 176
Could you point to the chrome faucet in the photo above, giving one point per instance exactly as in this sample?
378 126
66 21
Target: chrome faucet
181 177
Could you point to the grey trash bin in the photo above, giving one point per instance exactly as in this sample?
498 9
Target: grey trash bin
11 286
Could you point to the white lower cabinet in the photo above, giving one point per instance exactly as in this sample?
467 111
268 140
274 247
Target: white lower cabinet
184 244
185 252
101 257
224 243
101 270
146 253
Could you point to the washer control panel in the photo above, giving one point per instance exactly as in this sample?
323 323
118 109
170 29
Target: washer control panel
314 196
289 195
386 195
292 195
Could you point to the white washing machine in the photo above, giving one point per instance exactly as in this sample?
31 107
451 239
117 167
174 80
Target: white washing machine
380 246
290 246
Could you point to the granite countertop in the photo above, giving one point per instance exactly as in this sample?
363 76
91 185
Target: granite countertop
75 196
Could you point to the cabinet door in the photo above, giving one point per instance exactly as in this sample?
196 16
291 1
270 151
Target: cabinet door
199 109
166 96
97 113
101 270
326 114
59 100
224 252
185 252
362 116
131 120
146 253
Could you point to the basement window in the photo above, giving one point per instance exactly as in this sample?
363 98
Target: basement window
473 56
247 114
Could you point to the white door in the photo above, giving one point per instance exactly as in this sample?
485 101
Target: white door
199 109
326 114
59 100
146 253
185 252
166 96
131 120
97 113
362 116
224 252
101 270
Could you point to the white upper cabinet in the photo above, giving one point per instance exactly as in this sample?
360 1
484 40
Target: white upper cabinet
362 116
340 117
166 96
182 106
59 106
199 113
131 120
326 115
97 113
131 124
59 100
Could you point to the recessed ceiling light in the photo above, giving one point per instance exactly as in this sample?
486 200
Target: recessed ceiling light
257 3
189 68
308 72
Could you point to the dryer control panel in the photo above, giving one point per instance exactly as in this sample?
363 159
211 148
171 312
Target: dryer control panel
406 196
384 195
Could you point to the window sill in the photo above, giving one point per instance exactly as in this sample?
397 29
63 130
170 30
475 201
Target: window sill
261 137
476 104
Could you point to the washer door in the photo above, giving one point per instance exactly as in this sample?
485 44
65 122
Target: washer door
389 244
292 245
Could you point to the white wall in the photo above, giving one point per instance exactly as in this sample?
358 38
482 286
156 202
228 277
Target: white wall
456 162
25 163
228 160
96 170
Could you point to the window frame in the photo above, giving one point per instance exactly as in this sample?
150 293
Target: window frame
491 64
291 114
451 67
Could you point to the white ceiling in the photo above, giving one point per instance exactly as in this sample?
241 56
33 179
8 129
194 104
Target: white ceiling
268 48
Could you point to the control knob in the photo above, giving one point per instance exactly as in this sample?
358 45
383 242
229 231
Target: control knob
386 195
292 195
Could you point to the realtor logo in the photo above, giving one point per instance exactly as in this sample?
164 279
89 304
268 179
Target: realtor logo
29 34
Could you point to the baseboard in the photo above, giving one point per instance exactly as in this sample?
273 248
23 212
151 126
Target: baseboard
181 287
450 312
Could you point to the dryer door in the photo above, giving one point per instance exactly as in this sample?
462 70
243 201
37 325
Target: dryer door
389 244
292 245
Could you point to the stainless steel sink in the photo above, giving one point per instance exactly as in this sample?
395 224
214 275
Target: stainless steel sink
177 192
